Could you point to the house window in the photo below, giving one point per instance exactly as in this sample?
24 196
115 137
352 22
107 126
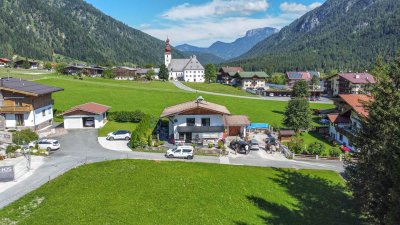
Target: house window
181 136
19 119
205 122
190 122
340 137
43 112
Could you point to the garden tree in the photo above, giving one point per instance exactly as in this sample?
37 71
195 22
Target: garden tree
163 74
23 137
315 80
150 74
47 66
277 78
300 89
108 73
210 73
374 178
316 148
296 144
298 115
380 69
60 67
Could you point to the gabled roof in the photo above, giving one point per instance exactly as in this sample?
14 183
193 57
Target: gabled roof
26 87
179 65
236 120
358 78
337 118
260 74
298 75
5 60
357 102
90 107
180 108
229 69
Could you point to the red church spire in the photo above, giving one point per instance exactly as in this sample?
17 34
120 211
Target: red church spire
167 46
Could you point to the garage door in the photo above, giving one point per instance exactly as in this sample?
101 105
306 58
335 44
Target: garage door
234 131
88 122
73 123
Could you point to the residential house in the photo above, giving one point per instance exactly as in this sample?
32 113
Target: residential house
249 80
4 62
188 70
124 73
349 83
345 123
293 77
142 72
226 73
200 121
91 71
25 104
32 64
88 115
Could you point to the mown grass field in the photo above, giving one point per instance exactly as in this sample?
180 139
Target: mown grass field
150 192
218 88
24 74
153 97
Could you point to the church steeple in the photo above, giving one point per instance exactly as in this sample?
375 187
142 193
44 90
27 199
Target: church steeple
167 55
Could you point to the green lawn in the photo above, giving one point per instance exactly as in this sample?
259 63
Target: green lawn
24 74
151 192
153 97
112 126
218 88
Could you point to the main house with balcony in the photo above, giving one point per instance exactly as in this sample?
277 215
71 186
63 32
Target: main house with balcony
345 123
349 83
249 80
25 104
200 121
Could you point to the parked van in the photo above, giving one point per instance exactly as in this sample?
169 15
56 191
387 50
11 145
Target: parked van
180 152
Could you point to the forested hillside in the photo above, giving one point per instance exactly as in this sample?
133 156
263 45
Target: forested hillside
341 34
41 28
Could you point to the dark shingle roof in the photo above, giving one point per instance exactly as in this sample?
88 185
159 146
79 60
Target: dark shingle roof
28 87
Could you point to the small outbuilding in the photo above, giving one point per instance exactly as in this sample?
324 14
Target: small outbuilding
88 115
286 135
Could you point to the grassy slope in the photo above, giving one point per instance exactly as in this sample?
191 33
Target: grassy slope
148 192
218 88
23 74
153 97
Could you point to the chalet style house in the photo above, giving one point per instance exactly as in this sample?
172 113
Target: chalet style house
200 122
226 73
25 104
32 64
349 83
188 70
4 62
293 77
347 120
249 80
91 71
124 73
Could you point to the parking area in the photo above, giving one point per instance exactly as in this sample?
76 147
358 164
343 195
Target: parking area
117 145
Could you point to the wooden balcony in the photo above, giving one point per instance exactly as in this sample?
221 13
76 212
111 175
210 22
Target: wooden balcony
15 109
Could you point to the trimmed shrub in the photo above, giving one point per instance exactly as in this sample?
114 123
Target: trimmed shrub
220 144
140 136
24 136
335 152
126 116
296 145
316 148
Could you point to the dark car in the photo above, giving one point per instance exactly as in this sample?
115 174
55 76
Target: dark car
240 146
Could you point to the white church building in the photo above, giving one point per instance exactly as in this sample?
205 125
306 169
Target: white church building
188 70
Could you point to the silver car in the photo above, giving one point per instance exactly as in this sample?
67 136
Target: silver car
254 145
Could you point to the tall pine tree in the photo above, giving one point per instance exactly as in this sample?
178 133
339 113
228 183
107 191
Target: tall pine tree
375 177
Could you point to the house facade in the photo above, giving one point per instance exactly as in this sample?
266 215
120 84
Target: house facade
226 73
345 123
32 64
187 70
349 83
25 104
124 73
200 121
249 80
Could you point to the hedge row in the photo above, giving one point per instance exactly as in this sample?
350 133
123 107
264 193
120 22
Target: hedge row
125 116
142 135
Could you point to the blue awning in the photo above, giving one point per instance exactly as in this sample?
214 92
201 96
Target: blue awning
255 126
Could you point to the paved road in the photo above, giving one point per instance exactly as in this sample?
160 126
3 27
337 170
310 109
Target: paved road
283 99
81 146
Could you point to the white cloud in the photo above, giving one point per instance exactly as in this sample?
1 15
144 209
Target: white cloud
215 8
298 8
145 25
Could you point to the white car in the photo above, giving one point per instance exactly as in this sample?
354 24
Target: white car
180 152
48 144
119 135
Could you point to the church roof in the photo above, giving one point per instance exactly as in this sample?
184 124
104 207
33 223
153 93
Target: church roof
178 65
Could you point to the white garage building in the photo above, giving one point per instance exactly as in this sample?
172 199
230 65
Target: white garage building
89 115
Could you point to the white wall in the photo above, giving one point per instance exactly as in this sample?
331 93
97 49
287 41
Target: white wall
248 83
194 76
215 120
39 118
76 121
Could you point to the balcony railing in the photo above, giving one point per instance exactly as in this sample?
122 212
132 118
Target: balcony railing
200 129
15 109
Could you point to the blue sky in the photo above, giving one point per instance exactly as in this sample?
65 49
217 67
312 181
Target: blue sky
202 22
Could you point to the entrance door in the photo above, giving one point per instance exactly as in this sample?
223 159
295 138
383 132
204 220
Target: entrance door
188 137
